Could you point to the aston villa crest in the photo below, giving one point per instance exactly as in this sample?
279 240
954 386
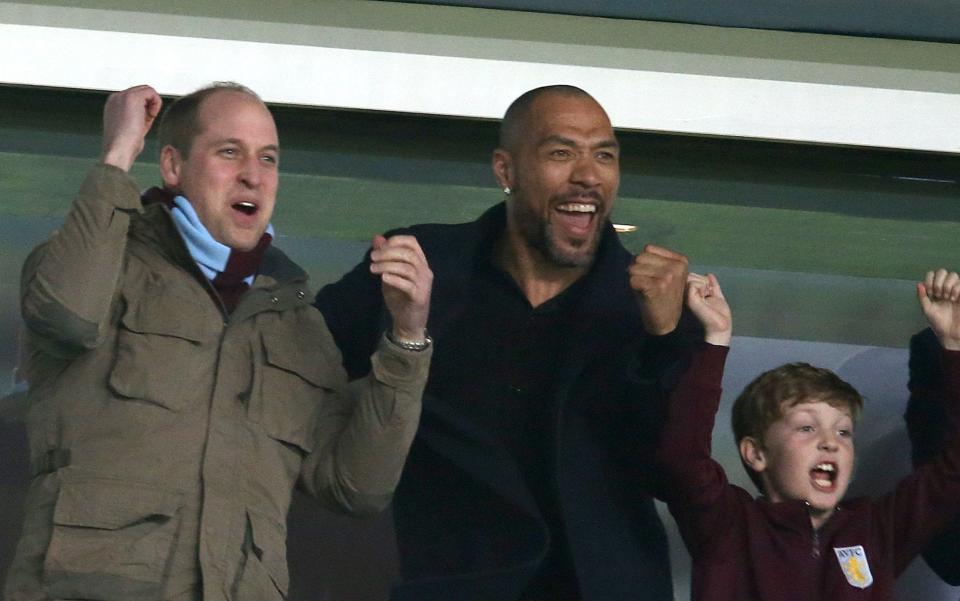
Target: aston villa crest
853 562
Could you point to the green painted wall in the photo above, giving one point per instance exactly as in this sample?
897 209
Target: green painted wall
814 243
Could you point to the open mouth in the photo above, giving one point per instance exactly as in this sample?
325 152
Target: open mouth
824 476
245 207
577 215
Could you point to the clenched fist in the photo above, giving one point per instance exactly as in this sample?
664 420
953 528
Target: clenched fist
658 277
127 117
939 296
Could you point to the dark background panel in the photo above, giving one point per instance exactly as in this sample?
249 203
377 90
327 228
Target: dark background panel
932 20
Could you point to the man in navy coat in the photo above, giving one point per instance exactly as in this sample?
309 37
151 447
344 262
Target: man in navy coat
529 478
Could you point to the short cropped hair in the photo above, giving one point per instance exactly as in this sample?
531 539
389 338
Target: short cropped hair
514 119
179 124
769 395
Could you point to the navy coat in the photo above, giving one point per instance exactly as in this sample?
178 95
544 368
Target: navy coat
467 525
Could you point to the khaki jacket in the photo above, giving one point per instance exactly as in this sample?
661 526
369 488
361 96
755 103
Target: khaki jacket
166 437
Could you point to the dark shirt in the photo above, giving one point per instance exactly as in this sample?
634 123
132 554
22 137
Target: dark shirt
499 371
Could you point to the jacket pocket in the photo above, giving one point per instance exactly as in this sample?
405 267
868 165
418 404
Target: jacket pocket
265 575
158 356
293 382
111 539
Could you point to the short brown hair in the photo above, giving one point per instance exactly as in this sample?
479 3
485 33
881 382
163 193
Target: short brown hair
770 394
179 125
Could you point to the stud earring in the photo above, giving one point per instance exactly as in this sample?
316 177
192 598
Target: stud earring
506 190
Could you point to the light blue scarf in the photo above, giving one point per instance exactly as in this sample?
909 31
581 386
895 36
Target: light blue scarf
210 255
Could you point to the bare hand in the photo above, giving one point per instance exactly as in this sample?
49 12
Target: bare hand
127 117
939 296
658 277
406 282
706 301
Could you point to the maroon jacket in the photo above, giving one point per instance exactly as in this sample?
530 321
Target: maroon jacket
747 549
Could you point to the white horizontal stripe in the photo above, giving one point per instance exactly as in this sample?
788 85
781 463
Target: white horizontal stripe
473 87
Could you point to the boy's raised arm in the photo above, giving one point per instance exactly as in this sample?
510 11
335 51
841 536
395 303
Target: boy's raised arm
695 486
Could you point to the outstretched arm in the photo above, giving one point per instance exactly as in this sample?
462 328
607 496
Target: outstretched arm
68 283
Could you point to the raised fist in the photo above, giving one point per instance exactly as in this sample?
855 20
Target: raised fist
127 117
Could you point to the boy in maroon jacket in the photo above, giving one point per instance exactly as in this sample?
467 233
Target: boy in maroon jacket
794 427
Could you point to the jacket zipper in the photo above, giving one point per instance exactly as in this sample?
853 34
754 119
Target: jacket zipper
815 551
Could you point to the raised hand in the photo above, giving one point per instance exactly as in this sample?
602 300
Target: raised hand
127 117
706 301
939 296
406 282
658 277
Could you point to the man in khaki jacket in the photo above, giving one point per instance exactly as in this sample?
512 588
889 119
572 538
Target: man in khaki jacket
181 383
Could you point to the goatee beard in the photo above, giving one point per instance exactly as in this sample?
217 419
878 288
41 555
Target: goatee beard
583 257
538 234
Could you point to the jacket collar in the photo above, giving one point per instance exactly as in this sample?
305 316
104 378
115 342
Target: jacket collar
606 282
156 227
280 283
